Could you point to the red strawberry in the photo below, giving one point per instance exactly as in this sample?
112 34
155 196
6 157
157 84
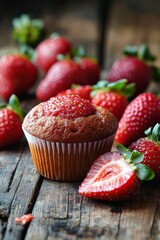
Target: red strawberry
48 50
17 75
11 117
115 176
60 77
150 147
141 113
112 96
68 106
133 68
91 69
82 91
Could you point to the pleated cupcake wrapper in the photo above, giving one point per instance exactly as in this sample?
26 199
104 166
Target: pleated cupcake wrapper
65 161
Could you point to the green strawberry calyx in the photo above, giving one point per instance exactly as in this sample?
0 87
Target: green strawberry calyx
153 133
142 52
120 86
14 105
27 30
135 158
79 52
27 52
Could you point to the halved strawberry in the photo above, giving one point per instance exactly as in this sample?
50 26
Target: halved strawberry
115 176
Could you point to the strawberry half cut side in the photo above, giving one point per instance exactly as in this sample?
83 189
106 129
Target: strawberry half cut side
115 176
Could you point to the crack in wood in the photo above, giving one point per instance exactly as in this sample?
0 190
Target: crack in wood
118 229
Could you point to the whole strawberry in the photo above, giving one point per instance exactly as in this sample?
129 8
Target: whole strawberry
17 75
134 67
150 147
91 69
115 176
59 78
82 91
141 113
112 96
11 117
48 50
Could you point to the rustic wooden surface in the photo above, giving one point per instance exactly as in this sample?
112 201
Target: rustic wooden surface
61 213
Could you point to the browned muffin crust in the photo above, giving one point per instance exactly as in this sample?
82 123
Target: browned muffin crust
100 125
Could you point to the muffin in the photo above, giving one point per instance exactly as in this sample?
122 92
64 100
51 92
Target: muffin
66 134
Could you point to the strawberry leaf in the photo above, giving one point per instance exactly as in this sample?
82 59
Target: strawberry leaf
129 90
131 51
3 106
120 86
27 30
144 53
155 73
156 132
125 151
28 52
61 57
144 172
79 52
153 134
136 157
148 132
54 35
14 104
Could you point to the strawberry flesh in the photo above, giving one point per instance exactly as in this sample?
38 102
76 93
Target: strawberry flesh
110 178
68 106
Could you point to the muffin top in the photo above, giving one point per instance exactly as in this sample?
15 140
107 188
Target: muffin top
69 119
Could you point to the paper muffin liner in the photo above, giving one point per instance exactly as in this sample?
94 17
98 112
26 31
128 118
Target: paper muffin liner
65 161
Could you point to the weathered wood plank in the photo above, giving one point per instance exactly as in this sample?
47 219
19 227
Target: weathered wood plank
78 22
62 213
132 22
21 196
137 217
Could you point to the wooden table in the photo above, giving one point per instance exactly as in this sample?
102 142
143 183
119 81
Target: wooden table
60 212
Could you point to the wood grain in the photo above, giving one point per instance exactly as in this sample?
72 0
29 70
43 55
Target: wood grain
60 212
